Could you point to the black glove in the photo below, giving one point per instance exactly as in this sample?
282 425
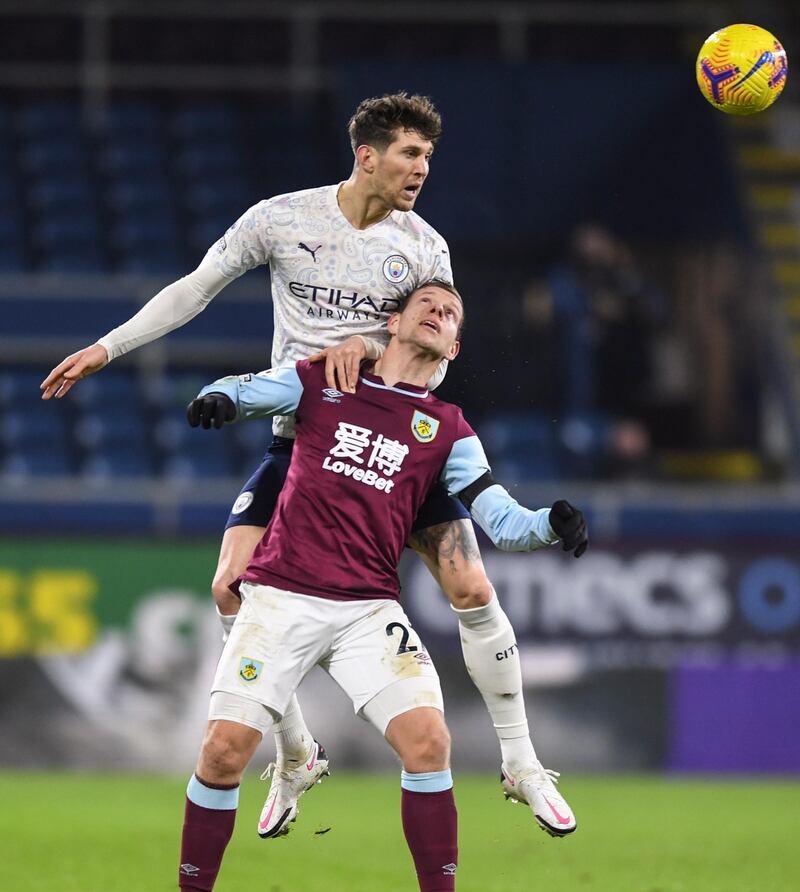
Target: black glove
213 408
570 526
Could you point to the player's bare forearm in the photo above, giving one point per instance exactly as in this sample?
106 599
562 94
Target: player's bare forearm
447 546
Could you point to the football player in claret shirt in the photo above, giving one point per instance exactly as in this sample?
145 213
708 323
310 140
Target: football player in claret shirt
322 585
340 258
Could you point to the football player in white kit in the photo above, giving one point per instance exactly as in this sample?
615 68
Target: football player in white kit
340 258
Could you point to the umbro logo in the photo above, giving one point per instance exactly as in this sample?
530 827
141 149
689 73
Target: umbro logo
189 870
312 251
331 395
449 869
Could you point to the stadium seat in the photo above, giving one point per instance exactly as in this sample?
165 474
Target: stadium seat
197 465
140 193
53 157
19 386
55 231
123 158
40 424
130 120
49 119
59 193
210 159
116 427
520 445
8 189
12 258
113 389
37 462
117 462
203 121
226 197
78 259
161 261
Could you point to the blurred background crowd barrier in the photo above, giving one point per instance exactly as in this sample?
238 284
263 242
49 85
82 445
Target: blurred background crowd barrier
630 260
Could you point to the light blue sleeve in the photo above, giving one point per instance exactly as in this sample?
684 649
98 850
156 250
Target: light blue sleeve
507 523
274 392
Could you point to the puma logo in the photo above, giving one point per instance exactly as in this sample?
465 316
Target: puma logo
311 251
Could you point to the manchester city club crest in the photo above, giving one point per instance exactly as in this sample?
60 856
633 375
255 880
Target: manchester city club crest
424 427
395 268
249 670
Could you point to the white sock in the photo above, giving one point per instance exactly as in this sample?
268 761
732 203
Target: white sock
293 740
492 660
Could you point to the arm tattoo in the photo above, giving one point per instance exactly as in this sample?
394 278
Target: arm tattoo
445 541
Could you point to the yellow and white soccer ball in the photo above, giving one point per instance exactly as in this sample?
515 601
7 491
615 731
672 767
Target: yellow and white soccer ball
741 69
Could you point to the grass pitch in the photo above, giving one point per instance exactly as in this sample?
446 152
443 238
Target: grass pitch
86 833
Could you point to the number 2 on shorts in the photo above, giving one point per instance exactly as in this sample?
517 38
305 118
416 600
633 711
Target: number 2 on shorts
405 647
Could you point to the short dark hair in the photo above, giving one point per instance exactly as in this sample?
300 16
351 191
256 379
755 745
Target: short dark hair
377 120
434 283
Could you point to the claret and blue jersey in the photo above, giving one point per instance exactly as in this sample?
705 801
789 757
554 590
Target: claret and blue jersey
362 465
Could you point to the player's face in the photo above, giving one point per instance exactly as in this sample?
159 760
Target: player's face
401 170
431 319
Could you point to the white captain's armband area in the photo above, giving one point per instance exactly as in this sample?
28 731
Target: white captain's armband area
273 392
508 524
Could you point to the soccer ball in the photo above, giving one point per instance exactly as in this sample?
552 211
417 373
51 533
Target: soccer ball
741 69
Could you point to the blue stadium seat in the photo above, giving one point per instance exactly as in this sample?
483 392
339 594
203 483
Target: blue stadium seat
8 189
198 465
225 196
145 231
148 194
74 193
12 258
40 423
54 157
11 228
520 446
204 121
206 159
117 462
113 388
132 119
206 232
49 119
56 231
20 386
116 428
73 259
123 158
38 461
148 261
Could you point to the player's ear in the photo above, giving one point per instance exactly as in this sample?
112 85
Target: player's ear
454 351
392 323
365 158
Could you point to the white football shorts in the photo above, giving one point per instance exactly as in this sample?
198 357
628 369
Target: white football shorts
368 647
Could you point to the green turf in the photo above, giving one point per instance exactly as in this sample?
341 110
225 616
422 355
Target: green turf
76 833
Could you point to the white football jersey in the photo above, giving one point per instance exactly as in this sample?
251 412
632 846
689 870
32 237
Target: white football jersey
329 279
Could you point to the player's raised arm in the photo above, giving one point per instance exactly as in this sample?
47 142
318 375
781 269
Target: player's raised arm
241 248
508 524
239 397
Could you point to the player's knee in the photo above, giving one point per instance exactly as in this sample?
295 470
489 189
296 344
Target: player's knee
222 758
428 749
467 593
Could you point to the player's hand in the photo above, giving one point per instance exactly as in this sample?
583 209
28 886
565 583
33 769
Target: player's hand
70 370
569 525
342 363
213 408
